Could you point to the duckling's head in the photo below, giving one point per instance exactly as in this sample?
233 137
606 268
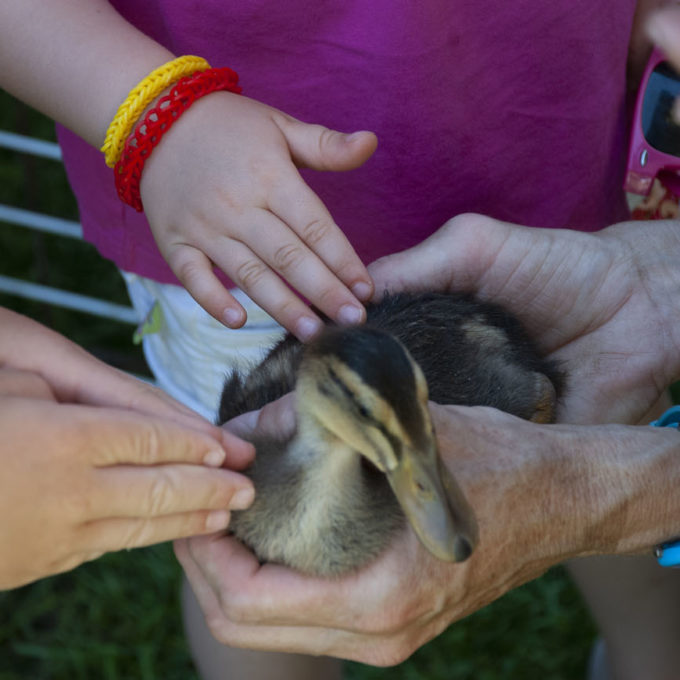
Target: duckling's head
361 386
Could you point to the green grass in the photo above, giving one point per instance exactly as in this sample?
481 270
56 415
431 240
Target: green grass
118 618
111 619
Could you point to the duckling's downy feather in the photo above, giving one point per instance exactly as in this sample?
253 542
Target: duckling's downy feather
472 354
330 514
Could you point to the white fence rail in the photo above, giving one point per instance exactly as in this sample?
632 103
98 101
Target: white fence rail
53 225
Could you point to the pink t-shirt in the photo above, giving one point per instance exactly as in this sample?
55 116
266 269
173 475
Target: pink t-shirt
512 109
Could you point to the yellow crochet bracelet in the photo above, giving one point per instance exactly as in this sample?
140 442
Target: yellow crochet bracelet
140 97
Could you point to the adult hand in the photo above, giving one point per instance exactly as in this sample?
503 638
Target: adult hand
76 377
605 304
79 481
383 613
92 460
239 204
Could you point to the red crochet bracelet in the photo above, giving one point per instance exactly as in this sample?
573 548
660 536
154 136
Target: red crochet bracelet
128 170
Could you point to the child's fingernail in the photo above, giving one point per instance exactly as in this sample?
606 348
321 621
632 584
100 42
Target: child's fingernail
216 520
242 499
350 314
362 290
307 328
214 458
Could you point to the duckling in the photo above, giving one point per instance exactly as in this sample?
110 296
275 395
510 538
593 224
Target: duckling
363 459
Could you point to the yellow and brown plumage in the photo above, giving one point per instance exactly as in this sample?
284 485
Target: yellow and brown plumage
363 459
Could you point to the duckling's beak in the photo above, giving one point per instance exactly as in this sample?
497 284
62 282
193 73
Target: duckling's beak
434 505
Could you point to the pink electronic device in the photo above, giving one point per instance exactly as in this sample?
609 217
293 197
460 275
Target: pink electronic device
655 137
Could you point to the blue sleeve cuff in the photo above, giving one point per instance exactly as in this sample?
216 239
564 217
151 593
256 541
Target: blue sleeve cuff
668 554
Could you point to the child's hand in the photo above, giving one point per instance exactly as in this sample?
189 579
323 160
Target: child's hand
222 190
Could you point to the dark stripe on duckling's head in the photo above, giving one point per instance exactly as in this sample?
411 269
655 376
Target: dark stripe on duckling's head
383 364
364 412
361 387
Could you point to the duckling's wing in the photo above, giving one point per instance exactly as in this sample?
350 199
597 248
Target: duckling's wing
472 353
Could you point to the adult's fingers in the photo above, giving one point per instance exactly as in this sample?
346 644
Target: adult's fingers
116 437
226 624
215 606
109 535
147 492
362 602
17 383
454 258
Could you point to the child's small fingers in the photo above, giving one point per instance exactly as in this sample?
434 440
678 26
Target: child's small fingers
307 216
194 269
276 245
257 279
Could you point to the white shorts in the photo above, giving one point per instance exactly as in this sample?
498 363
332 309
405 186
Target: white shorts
189 352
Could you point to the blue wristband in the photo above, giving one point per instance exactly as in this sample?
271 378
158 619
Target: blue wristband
670 418
668 554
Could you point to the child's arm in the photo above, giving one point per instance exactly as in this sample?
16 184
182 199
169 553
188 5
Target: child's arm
237 200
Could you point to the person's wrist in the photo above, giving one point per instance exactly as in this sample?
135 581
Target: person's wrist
621 483
524 481
574 490
567 469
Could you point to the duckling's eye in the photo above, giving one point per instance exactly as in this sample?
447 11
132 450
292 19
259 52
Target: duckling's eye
363 411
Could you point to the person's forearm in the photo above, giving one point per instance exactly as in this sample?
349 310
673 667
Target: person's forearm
73 60
547 493
611 489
